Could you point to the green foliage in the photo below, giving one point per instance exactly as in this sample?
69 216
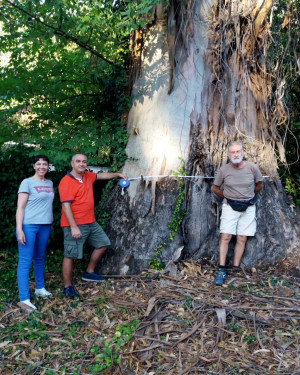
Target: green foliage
235 327
16 162
8 276
103 216
178 214
176 220
136 10
112 348
63 80
235 369
30 329
188 302
291 187
154 262
249 339
285 43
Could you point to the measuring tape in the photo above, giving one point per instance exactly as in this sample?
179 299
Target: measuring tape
124 183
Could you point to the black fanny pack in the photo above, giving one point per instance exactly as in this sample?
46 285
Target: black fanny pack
241 206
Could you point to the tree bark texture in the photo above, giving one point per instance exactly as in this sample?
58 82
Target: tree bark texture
199 82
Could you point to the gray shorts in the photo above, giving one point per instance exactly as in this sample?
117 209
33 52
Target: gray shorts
92 234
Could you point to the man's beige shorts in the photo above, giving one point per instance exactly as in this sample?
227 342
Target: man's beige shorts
234 222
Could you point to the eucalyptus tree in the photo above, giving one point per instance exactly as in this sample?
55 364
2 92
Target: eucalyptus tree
198 76
201 78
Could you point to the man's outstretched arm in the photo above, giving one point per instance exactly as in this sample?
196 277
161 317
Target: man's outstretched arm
109 175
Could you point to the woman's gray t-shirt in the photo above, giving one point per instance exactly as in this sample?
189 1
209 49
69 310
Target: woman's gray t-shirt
38 209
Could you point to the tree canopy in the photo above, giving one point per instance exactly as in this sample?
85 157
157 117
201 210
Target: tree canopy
64 72
64 75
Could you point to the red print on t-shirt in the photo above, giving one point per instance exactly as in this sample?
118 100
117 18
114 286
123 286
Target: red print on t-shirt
43 189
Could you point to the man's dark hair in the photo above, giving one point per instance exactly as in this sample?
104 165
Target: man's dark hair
38 157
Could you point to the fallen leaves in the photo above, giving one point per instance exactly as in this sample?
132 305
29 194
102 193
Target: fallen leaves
155 323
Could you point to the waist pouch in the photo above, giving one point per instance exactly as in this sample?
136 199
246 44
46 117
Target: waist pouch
239 206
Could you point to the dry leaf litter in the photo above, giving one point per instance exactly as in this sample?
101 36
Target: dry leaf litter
170 322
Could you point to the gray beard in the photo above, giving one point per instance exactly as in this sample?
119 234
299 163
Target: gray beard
236 161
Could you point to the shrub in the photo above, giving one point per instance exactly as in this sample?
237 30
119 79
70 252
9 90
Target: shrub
16 166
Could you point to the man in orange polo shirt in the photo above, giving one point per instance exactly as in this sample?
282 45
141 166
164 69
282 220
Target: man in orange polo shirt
78 220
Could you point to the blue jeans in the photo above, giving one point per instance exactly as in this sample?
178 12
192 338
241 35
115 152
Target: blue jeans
36 236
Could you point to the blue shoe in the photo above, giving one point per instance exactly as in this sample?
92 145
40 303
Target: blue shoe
93 276
220 278
70 292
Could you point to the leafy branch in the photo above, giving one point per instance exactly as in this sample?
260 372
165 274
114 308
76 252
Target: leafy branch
61 33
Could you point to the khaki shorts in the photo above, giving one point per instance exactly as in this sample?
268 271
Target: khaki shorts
92 234
234 222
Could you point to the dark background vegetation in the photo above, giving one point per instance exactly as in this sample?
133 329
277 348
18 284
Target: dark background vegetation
65 89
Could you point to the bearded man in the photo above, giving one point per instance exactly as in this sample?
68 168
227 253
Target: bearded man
241 181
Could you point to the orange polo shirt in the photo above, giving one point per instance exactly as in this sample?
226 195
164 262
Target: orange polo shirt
81 197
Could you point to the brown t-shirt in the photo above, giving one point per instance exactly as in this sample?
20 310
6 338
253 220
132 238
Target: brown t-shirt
238 184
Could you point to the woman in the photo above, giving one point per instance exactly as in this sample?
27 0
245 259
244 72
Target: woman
34 218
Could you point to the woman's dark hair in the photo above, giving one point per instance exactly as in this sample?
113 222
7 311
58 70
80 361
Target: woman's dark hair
38 157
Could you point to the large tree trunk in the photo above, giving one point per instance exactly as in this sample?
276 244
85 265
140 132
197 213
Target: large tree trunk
200 82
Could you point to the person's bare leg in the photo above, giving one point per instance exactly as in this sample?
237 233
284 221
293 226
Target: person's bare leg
239 249
95 257
67 269
223 248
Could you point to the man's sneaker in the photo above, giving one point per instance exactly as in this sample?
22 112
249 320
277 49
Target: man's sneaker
220 278
69 291
42 293
92 277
